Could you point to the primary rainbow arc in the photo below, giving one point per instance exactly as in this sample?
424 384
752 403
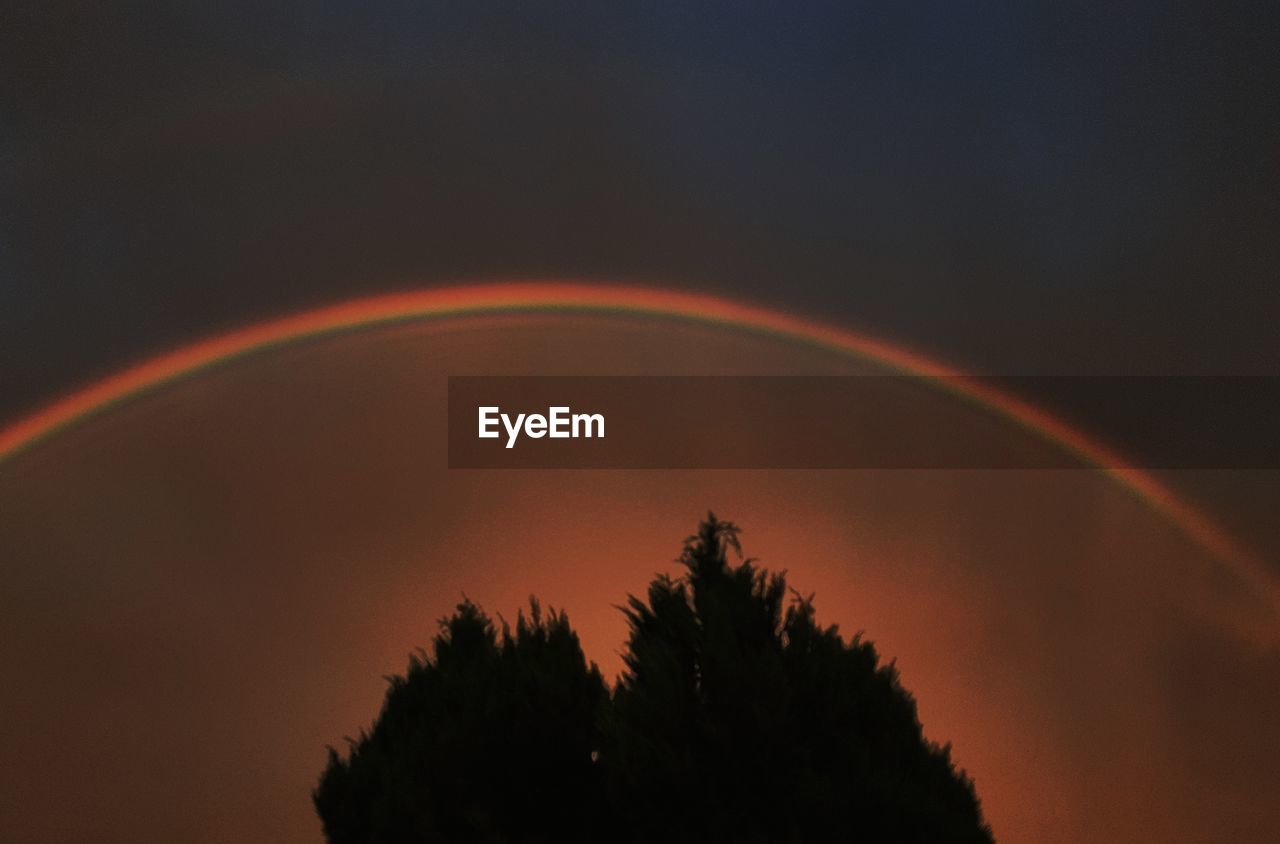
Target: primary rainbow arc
563 297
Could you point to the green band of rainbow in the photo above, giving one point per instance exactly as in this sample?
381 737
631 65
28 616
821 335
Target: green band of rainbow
560 297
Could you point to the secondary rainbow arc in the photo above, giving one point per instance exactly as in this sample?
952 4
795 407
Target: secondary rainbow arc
563 297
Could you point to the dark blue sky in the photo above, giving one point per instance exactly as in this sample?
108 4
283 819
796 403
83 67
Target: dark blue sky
1007 188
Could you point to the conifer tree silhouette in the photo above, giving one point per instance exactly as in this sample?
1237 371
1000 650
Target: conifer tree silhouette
740 719
489 740
737 719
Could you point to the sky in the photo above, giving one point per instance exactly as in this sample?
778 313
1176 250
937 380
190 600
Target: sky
207 585
1011 189
1005 188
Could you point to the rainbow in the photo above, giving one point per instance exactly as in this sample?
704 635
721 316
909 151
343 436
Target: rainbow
563 297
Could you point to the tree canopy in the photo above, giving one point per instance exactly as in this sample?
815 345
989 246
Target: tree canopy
738 718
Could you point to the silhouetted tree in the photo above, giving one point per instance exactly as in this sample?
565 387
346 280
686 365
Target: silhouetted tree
492 740
740 719
737 719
